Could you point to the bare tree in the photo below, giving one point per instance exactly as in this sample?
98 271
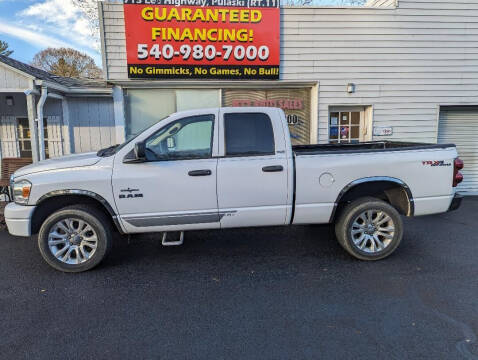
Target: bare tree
4 48
67 62
89 8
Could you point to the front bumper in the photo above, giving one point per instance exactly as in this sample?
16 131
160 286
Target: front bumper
18 219
455 202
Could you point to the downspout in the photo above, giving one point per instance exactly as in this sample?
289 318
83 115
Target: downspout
41 131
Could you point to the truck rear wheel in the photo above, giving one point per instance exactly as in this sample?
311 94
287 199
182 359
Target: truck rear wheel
369 229
75 238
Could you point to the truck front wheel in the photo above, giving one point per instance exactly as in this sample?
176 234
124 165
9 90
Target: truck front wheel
75 238
369 229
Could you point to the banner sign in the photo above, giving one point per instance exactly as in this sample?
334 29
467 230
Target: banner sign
205 39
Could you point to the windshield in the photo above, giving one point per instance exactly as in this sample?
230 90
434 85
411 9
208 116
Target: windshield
111 150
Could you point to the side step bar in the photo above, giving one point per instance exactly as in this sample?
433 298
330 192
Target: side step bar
179 242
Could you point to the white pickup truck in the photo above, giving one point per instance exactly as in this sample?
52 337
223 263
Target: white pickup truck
224 168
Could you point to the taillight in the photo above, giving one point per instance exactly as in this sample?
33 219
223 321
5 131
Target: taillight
457 176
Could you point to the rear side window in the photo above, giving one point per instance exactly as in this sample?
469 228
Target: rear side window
248 134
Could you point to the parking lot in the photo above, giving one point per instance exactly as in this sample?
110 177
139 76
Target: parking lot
267 293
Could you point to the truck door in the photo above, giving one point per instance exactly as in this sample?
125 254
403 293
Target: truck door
253 171
175 189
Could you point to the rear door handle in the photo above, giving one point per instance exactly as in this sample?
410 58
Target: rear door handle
274 168
200 173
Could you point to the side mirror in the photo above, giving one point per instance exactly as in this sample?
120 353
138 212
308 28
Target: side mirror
140 151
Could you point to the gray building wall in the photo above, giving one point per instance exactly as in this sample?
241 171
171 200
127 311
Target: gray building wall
92 123
405 61
18 109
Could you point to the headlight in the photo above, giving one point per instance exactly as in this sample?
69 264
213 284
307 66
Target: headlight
21 191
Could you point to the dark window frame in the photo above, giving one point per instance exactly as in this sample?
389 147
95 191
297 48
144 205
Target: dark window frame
22 139
248 154
209 156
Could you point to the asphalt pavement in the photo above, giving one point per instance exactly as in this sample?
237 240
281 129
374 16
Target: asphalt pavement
265 293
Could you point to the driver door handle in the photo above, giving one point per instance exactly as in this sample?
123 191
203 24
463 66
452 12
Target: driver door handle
200 173
274 168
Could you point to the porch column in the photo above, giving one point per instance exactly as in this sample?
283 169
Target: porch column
118 104
67 130
32 114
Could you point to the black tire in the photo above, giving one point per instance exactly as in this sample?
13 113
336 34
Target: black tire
345 222
91 216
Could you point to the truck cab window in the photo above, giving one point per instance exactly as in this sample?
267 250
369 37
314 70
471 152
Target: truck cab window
248 134
187 138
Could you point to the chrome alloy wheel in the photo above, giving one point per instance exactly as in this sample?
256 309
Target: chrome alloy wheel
372 231
72 241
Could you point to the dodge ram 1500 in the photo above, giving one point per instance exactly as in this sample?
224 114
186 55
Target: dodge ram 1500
224 168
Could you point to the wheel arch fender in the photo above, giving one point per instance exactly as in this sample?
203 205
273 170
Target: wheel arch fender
65 198
396 190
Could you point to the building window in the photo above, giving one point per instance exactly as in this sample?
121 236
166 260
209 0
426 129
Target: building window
296 104
345 126
144 107
24 137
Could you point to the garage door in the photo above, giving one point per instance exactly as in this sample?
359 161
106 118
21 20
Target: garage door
459 125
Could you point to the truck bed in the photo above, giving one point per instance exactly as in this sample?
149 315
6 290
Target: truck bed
372 146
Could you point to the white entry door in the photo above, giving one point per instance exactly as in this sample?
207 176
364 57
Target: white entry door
176 187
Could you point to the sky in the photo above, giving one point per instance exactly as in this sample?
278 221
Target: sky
30 26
